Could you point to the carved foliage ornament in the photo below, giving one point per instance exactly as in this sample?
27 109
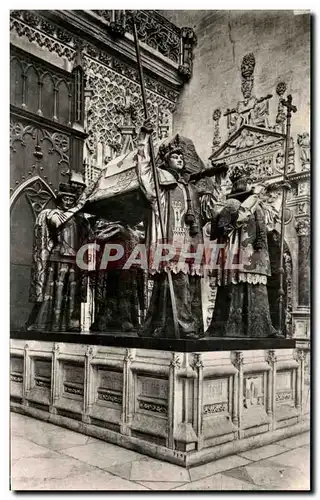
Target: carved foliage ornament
237 359
46 34
197 361
216 134
271 356
109 91
188 39
303 227
56 143
43 33
157 32
38 196
175 361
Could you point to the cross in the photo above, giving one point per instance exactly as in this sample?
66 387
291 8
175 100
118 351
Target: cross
288 104
290 107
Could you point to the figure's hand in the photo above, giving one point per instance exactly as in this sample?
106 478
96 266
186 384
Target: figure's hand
147 126
285 185
59 218
109 230
259 189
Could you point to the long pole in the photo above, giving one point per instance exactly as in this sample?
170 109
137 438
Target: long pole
288 104
155 176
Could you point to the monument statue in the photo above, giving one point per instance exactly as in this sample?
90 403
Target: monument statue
119 293
185 207
58 285
242 306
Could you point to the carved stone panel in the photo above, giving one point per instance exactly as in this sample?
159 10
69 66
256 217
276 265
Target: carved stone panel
109 388
39 88
152 395
284 387
215 396
16 369
42 373
36 150
253 390
73 380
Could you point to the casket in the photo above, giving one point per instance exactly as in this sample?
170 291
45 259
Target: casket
117 195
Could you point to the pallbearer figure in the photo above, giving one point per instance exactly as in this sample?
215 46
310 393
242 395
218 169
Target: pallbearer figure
184 206
58 285
242 305
119 293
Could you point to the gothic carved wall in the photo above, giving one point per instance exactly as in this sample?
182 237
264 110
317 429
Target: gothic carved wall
111 80
106 94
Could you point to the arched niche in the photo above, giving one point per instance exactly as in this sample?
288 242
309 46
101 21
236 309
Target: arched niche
274 282
25 204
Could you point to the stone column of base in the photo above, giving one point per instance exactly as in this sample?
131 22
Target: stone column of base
198 366
26 375
184 434
87 398
271 388
175 364
54 379
237 361
127 404
303 231
300 356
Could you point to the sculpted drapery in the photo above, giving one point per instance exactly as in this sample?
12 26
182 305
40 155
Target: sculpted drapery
242 306
58 285
183 205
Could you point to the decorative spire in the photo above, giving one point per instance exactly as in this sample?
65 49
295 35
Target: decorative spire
216 134
247 73
281 114
78 78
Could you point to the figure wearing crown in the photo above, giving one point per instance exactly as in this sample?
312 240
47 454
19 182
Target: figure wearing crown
242 305
57 285
185 207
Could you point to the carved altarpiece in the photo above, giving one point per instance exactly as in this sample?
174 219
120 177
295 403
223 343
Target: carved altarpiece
254 140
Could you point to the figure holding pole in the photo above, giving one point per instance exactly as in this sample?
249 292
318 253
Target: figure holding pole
175 306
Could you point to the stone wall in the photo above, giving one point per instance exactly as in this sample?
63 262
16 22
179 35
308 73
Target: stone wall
280 41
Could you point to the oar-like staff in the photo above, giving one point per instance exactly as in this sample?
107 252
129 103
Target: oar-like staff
290 108
155 175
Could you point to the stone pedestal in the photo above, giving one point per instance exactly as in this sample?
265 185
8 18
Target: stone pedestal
187 406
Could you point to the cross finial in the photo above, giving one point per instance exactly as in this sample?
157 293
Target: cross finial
288 104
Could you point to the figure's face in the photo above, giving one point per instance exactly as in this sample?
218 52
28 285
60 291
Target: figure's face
67 201
176 161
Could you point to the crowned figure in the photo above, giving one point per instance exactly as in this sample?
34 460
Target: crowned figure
58 285
185 207
240 227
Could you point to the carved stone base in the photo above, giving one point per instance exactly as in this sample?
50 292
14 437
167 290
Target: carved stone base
184 407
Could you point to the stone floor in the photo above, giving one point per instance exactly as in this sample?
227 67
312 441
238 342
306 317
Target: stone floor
47 457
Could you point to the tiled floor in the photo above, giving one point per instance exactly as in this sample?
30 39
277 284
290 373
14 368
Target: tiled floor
47 457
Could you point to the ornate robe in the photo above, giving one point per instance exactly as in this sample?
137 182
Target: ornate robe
57 285
176 194
242 306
